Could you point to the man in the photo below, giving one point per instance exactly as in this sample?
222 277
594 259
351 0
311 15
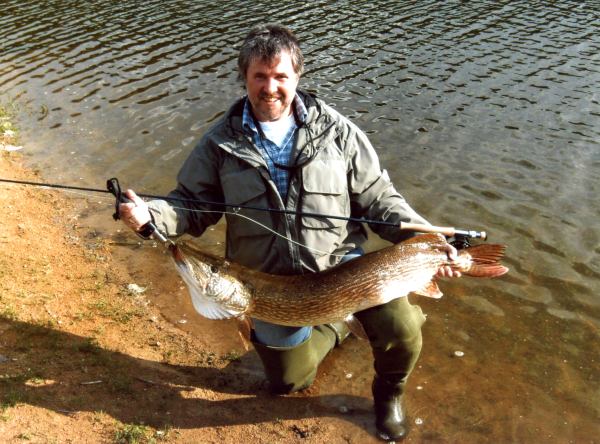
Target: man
279 147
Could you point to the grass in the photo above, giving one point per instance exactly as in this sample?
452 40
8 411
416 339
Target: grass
8 131
131 434
10 399
8 311
10 395
111 310
137 433
232 356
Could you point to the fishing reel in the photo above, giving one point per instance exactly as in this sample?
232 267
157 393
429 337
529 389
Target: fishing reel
459 241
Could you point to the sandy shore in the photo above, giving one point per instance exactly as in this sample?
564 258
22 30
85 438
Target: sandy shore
86 357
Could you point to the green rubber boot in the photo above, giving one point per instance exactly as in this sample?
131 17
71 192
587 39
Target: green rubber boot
289 369
394 330
390 417
341 331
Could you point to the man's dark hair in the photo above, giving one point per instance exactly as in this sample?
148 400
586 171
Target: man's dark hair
265 42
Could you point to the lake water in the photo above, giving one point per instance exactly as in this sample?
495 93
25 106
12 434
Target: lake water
485 114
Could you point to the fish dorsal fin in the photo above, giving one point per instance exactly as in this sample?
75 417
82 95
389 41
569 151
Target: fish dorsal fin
430 290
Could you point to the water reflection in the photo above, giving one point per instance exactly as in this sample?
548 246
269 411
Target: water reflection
485 114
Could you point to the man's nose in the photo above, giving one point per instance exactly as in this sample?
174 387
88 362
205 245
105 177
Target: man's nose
271 86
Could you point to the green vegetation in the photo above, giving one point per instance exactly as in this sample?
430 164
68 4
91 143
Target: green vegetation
8 311
232 356
131 434
10 399
135 433
11 392
8 131
114 311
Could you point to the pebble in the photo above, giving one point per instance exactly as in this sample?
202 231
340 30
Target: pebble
135 288
349 375
344 409
418 421
182 321
459 354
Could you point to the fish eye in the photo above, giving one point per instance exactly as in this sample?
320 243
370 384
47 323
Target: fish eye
214 269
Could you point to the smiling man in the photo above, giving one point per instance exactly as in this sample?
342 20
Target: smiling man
271 87
279 147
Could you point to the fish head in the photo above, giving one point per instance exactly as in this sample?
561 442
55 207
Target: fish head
215 293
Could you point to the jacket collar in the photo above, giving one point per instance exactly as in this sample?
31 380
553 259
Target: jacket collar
316 131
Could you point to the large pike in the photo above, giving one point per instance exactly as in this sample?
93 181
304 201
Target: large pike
222 290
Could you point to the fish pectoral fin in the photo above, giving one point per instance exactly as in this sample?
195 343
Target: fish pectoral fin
244 324
355 327
430 290
209 308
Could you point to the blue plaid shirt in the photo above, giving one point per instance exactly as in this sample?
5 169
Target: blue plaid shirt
271 152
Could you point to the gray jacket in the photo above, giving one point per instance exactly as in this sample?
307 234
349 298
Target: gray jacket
339 175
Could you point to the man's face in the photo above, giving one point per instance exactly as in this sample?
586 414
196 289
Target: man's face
271 87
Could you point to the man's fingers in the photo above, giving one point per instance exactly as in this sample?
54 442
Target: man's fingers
451 252
137 200
135 213
447 271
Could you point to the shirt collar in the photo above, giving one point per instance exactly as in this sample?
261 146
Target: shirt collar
248 121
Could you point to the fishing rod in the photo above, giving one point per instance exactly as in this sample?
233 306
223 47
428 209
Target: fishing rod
114 189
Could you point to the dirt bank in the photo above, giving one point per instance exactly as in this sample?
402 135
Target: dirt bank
87 357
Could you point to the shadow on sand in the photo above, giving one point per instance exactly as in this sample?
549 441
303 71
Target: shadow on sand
68 373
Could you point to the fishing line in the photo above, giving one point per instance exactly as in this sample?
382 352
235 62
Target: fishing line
207 203
266 228
422 228
73 190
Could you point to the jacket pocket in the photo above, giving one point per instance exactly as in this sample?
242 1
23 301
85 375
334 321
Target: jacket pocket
325 192
246 187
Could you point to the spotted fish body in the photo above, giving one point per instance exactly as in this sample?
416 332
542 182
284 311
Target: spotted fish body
222 290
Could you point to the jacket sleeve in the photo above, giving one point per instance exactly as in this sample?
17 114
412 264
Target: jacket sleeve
372 193
197 180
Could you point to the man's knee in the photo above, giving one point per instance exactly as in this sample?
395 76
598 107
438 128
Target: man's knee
397 323
289 369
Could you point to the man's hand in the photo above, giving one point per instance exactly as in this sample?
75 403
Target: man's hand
446 270
134 214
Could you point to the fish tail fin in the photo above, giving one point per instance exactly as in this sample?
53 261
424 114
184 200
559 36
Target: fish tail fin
485 260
